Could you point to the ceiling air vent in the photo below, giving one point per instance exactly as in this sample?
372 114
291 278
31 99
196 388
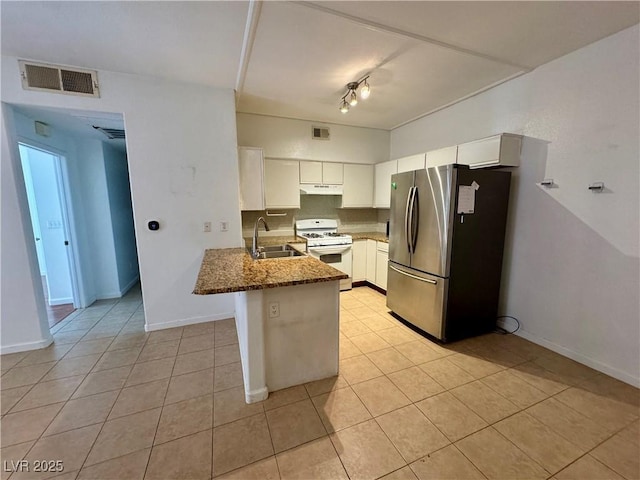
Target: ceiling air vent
320 133
53 78
111 133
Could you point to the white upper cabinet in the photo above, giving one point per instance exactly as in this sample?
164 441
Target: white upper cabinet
251 166
358 186
384 171
410 163
332 173
311 172
321 173
281 183
443 156
498 150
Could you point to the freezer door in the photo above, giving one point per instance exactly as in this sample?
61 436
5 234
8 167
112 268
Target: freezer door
401 188
432 230
418 298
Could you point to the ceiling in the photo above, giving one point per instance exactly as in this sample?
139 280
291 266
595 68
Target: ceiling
78 122
294 59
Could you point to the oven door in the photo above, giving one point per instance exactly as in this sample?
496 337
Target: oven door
338 256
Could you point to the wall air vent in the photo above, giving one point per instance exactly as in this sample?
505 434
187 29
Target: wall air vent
111 133
54 78
320 133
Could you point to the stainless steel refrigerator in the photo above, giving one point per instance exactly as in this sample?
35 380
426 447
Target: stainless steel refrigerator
446 238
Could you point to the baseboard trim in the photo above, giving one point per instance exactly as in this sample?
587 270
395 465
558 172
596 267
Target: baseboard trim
25 347
255 396
109 295
129 285
589 362
365 283
187 321
89 301
59 301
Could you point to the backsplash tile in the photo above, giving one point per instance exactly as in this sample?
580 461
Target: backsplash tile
319 206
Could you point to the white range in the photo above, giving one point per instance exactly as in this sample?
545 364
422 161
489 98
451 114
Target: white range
326 244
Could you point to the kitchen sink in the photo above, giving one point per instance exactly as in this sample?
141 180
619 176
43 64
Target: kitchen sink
278 251
275 248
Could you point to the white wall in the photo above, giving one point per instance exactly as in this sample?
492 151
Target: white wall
121 211
181 144
97 218
290 138
23 316
571 272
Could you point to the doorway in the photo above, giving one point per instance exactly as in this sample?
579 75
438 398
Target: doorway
46 197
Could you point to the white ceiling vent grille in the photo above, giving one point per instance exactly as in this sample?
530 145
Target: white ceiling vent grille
320 133
111 133
52 78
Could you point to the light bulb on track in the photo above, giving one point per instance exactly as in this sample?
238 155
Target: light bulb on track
350 99
365 91
353 98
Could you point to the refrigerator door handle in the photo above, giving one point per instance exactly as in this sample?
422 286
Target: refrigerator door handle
415 219
426 280
407 221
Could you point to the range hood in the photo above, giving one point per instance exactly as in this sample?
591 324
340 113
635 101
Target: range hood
320 189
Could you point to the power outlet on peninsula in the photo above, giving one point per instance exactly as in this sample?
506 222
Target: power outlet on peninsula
274 309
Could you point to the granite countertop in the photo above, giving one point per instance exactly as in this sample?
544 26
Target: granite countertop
378 236
233 270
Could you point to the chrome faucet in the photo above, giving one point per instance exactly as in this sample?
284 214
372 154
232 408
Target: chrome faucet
254 245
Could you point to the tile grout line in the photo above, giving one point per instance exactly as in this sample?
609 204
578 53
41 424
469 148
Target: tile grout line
107 417
41 436
155 433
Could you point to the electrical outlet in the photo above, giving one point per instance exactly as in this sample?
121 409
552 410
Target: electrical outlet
224 226
206 227
274 310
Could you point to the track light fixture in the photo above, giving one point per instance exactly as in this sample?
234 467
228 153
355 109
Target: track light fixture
350 99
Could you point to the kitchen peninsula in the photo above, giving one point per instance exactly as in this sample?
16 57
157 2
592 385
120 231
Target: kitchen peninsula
287 316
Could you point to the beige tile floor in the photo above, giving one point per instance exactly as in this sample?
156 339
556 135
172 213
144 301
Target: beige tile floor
113 402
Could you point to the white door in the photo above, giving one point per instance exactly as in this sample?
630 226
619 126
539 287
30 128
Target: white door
42 181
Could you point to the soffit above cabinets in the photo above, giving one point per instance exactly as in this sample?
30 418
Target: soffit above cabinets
294 59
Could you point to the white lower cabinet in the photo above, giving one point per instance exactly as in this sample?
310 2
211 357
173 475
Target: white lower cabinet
371 261
382 258
359 256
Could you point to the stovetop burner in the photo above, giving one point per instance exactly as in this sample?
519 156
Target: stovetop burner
321 232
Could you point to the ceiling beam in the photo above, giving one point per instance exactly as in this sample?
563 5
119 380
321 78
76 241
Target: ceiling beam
253 15
403 33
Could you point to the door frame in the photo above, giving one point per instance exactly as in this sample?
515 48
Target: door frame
68 219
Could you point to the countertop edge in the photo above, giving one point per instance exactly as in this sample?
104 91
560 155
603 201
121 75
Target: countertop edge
239 266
